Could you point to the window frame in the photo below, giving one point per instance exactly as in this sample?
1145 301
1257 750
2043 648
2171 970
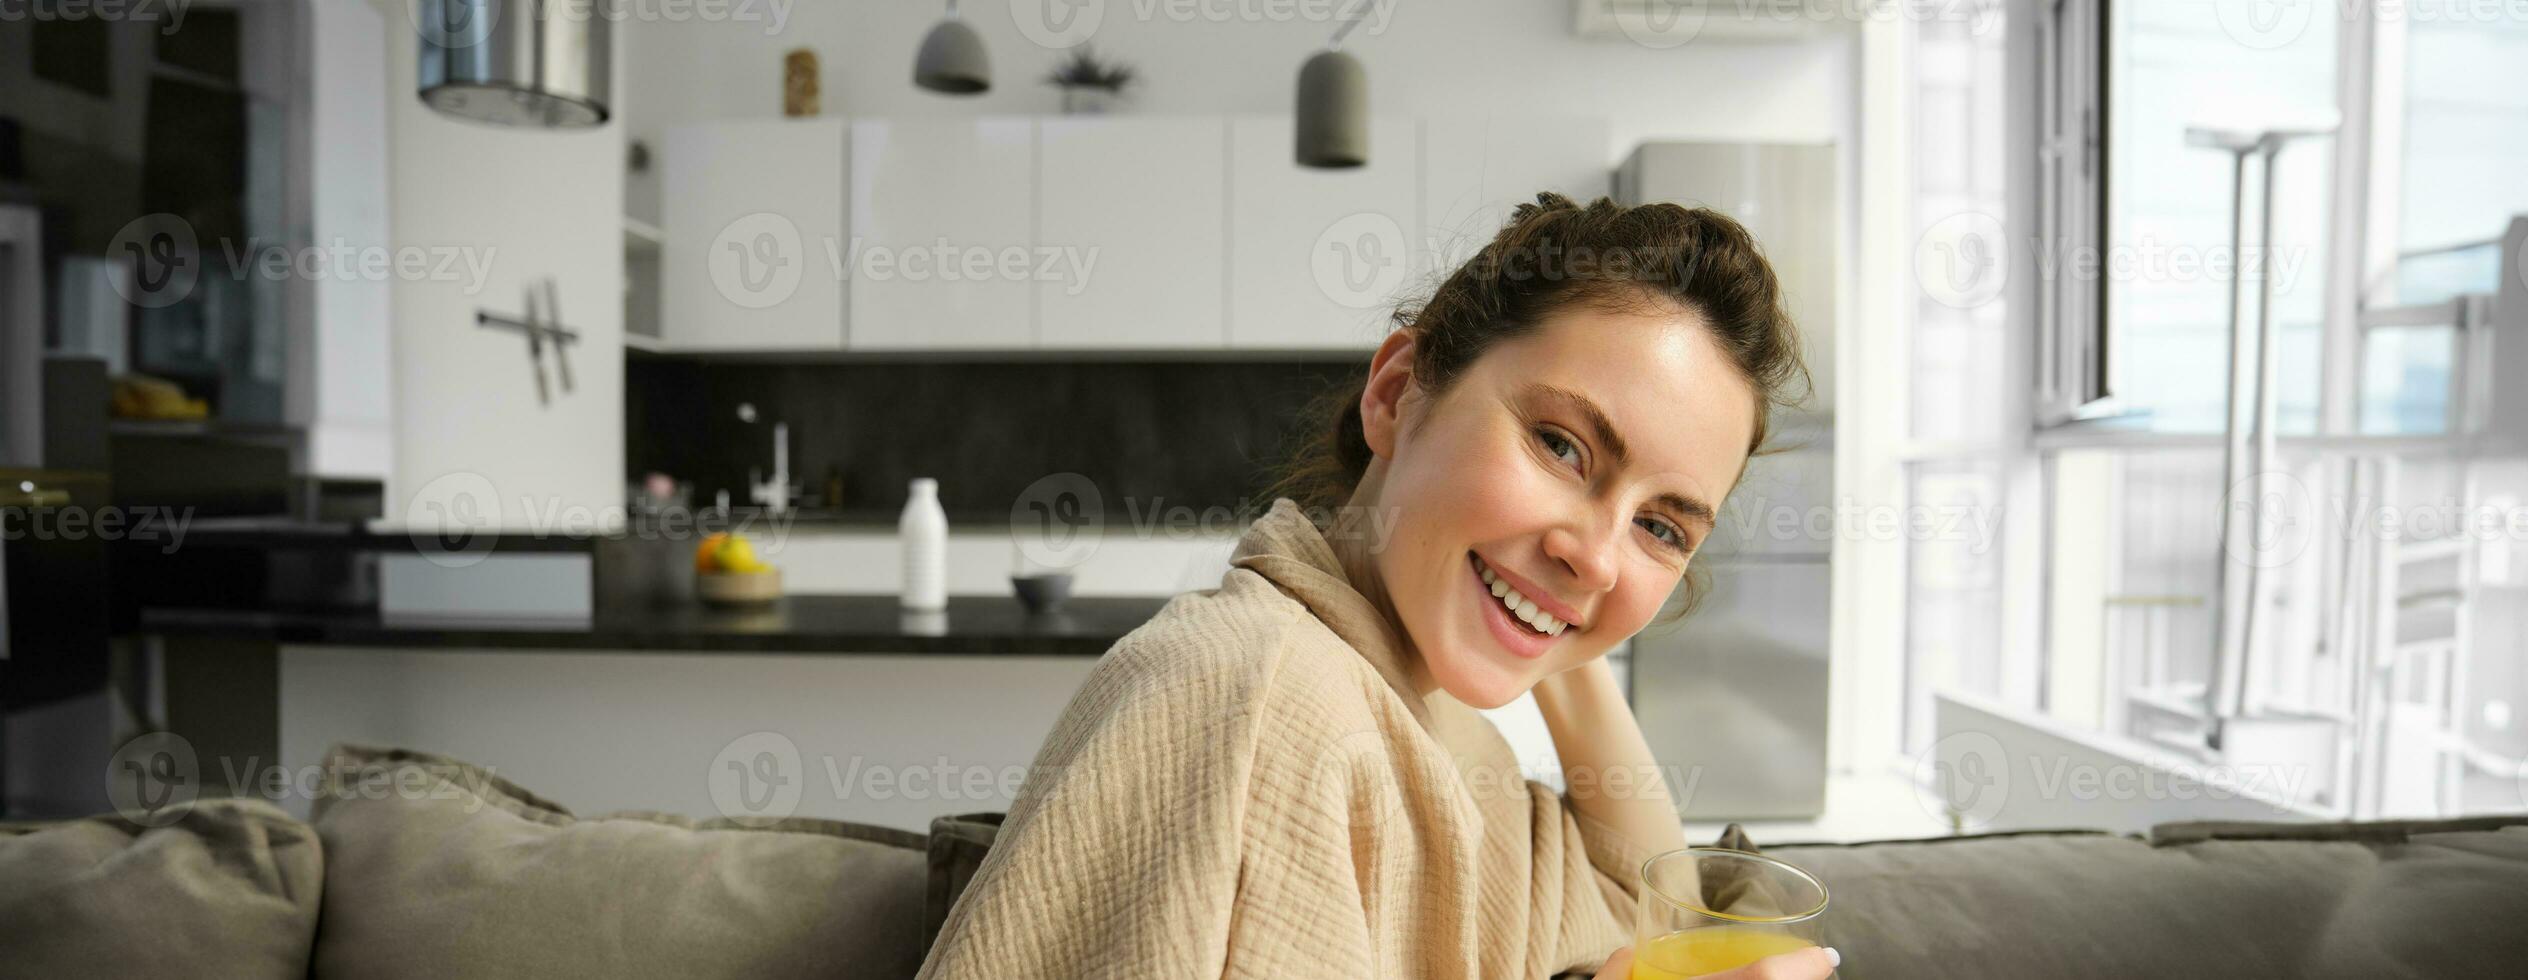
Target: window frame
2073 57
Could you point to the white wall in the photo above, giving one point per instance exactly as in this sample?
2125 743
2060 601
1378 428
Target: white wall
339 355
523 204
1505 57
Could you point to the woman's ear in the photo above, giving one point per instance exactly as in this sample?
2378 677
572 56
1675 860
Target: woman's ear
1382 399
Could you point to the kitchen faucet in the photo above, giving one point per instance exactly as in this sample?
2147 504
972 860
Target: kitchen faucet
774 494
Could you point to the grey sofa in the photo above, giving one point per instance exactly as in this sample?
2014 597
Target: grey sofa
420 866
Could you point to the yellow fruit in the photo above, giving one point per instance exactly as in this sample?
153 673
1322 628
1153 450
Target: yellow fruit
706 557
737 555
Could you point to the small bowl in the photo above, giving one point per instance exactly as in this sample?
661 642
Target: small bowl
1042 594
739 588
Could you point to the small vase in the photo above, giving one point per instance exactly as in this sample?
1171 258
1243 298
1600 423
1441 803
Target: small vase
1085 101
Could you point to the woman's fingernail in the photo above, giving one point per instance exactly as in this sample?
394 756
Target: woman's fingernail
1833 958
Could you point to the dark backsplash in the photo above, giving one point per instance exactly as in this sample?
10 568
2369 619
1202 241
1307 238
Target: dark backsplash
1193 433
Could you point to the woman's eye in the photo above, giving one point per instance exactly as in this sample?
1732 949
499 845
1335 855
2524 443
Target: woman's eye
1562 448
1665 532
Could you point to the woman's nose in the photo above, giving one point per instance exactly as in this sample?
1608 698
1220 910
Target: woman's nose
1587 549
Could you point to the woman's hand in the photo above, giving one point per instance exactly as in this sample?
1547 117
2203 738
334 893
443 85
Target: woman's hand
1812 963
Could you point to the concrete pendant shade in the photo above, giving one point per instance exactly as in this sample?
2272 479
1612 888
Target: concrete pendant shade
1333 112
953 60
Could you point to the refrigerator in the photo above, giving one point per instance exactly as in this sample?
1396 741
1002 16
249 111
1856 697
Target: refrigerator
1733 697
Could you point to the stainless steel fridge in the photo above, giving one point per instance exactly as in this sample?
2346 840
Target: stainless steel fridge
1734 696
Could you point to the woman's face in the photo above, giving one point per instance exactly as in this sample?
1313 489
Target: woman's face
1572 471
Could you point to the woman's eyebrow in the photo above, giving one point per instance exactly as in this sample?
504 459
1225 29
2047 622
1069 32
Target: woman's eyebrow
1692 509
1589 411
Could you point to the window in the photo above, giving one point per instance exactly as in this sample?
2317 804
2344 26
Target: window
2176 70
2072 374
2356 165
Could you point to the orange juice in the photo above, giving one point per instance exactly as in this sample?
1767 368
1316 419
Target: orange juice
1710 949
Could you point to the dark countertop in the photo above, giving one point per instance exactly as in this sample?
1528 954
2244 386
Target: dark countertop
807 624
291 534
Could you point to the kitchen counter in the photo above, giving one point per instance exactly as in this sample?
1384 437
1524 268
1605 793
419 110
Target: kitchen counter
804 624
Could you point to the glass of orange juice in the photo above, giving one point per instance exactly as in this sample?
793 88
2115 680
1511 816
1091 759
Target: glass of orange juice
1709 909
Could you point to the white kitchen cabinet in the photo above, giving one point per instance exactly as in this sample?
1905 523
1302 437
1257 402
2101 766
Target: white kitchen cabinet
941 254
1476 169
1139 206
1319 257
751 212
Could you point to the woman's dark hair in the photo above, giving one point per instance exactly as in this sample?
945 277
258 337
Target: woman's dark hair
1552 255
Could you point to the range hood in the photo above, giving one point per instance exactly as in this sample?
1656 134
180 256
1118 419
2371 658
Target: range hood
542 64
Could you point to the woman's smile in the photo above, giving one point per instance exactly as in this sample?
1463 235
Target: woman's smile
1517 619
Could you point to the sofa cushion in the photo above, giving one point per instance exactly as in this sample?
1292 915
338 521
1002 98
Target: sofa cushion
957 846
2420 902
437 868
229 889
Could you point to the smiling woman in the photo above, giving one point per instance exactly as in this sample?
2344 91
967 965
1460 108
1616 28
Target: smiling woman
1288 776
1564 416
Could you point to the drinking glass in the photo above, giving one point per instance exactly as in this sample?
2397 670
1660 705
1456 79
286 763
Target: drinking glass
1709 909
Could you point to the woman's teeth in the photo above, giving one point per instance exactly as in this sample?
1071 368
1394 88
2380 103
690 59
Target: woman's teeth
1520 607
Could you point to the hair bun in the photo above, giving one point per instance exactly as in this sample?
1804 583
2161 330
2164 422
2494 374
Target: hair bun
1546 201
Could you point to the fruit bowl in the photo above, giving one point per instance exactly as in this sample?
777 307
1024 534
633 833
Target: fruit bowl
739 588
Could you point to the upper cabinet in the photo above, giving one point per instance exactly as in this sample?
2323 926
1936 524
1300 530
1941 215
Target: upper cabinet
942 250
1319 257
1146 233
1132 233
750 213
